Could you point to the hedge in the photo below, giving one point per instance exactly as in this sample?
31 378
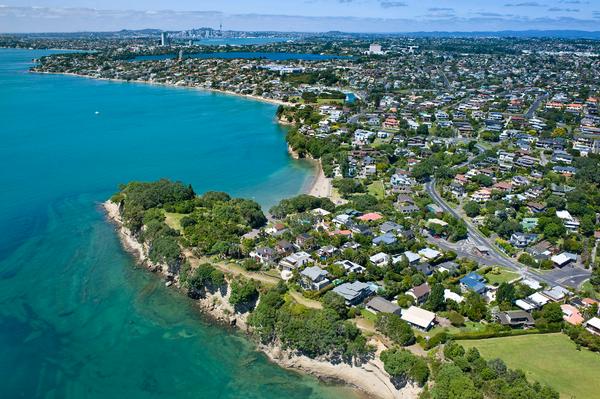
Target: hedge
473 335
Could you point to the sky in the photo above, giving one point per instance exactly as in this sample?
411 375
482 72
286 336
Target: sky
299 15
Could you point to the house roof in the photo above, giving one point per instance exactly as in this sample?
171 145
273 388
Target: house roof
429 253
452 296
556 293
418 317
538 299
525 305
474 282
411 256
421 290
571 314
387 238
594 322
351 291
369 217
380 304
313 272
563 258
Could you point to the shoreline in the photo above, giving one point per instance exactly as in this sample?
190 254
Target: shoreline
207 89
321 185
369 379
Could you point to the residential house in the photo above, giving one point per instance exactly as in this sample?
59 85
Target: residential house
569 221
276 229
473 282
571 314
314 278
448 267
380 259
452 296
305 242
412 257
593 325
419 318
385 239
284 248
327 252
515 318
263 255
522 240
294 261
556 294
354 293
563 259
424 268
481 195
351 267
420 293
390 227
429 254
378 304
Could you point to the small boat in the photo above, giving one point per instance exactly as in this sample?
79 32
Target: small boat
97 112
169 283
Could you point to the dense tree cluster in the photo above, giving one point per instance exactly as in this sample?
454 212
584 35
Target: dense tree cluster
395 329
403 366
467 375
300 203
312 332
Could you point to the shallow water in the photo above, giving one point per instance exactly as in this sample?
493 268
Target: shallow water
77 317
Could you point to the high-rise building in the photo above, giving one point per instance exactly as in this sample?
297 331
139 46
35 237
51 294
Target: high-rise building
375 49
163 38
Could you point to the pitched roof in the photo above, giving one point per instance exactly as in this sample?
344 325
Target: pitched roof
382 305
418 317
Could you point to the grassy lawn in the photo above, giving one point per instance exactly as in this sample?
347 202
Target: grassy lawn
372 317
551 359
301 299
589 290
468 327
339 101
503 276
173 220
377 189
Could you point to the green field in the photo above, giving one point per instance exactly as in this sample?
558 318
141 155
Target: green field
173 220
338 101
551 359
377 189
503 276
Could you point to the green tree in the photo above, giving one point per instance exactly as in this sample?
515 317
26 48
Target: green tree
395 328
506 293
335 302
403 365
243 292
472 209
435 301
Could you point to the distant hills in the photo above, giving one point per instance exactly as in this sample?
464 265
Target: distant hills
558 34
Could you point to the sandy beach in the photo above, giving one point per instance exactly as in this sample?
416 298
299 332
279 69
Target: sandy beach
321 185
369 378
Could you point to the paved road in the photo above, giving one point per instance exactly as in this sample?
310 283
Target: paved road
567 277
535 106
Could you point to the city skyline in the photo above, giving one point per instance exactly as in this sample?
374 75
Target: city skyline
307 16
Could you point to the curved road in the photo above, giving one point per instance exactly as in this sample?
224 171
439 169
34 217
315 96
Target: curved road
567 276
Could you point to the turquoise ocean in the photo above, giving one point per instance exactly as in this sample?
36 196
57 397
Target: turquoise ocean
78 318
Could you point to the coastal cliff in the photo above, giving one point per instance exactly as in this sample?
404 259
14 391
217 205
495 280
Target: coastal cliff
370 377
